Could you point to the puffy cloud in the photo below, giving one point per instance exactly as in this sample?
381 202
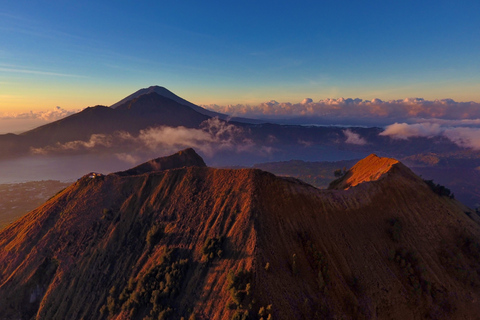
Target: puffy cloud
213 135
465 137
95 141
393 110
306 100
404 131
354 138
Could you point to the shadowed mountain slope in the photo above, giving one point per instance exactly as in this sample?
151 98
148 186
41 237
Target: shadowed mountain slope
164 111
221 243
185 158
140 113
146 111
162 91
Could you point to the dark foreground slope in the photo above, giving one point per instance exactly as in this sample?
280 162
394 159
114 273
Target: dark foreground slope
225 243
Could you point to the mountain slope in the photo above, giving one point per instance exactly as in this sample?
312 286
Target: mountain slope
144 214
185 158
162 91
386 249
217 242
154 109
146 111
371 168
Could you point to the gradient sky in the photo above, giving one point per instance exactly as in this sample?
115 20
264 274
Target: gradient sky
74 54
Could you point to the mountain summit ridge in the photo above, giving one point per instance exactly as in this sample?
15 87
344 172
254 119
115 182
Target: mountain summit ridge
183 158
369 169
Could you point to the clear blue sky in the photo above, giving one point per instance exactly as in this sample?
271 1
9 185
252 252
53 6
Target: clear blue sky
78 53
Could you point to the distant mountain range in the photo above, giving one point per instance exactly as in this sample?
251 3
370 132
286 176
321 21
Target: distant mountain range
175 239
157 107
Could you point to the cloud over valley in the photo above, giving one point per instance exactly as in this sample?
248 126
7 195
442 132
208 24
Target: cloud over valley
49 115
17 122
354 138
404 119
213 136
357 110
465 137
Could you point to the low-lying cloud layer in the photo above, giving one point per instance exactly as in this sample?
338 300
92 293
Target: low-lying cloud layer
50 115
214 135
398 110
21 122
466 137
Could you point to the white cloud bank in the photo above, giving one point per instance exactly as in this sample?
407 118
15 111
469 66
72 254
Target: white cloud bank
405 131
56 113
409 108
24 121
466 137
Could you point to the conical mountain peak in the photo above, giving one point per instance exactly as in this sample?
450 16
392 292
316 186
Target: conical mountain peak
164 92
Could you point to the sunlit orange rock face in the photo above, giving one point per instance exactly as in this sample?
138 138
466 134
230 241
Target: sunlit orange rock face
369 169
173 238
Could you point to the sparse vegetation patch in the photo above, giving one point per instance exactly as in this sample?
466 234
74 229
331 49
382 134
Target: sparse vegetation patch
155 234
151 295
395 229
338 173
213 248
241 297
413 269
463 260
319 264
439 189
238 283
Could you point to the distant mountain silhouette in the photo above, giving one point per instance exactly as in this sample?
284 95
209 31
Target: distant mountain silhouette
170 240
170 95
147 110
167 94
